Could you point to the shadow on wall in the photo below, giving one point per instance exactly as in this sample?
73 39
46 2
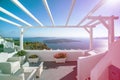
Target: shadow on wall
100 71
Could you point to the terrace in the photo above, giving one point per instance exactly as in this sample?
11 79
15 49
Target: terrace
80 64
69 69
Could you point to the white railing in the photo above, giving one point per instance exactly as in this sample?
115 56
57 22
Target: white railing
47 55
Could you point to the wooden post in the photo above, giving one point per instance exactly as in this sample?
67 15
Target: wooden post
21 38
91 38
110 31
90 31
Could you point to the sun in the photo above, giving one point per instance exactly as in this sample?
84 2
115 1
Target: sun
112 2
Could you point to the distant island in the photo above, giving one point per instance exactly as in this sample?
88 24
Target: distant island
32 45
60 41
116 37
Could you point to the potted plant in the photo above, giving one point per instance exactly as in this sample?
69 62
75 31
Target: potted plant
21 56
60 57
33 58
21 53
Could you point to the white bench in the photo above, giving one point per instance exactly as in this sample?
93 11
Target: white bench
38 68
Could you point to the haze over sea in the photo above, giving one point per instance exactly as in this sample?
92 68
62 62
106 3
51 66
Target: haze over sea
69 43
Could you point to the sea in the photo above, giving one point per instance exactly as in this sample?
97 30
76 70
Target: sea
56 43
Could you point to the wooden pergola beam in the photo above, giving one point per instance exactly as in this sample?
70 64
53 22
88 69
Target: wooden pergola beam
10 22
60 26
14 16
49 12
108 22
104 23
102 17
95 24
90 22
92 11
90 31
16 2
70 12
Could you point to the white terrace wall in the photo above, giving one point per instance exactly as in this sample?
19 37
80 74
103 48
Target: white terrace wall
4 56
47 55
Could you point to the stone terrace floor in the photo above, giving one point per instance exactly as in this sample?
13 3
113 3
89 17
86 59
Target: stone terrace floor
59 71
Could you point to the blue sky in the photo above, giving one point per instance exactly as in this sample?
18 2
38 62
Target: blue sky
59 10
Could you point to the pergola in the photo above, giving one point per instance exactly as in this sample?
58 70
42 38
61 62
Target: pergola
106 21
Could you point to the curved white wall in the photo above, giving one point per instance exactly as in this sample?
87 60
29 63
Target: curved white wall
100 72
86 64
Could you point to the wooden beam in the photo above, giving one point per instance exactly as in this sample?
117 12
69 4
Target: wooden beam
104 23
95 24
102 17
61 26
49 12
10 22
14 16
70 12
16 2
99 4
87 30
90 22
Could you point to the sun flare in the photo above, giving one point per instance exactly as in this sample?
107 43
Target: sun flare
112 2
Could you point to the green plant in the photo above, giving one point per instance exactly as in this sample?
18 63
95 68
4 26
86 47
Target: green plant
1 47
21 53
35 46
60 55
33 56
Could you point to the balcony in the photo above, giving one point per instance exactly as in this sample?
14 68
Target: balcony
80 64
71 70
58 71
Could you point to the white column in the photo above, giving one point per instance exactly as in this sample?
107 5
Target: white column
110 32
21 38
91 38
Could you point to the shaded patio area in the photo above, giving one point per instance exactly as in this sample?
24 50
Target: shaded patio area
59 71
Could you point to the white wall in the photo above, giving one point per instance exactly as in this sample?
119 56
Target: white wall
86 64
47 55
1 41
100 72
4 56
9 45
